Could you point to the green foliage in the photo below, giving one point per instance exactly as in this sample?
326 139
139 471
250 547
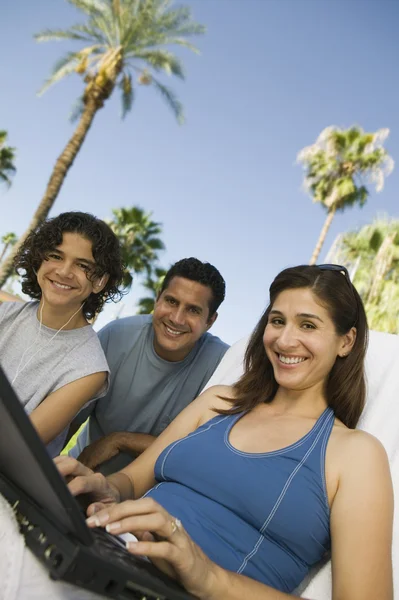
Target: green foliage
123 39
7 159
8 240
341 162
339 165
372 256
153 284
138 235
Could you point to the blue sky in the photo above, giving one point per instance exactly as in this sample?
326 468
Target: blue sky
272 74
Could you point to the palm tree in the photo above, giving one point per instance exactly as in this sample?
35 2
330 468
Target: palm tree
372 255
338 166
121 40
138 235
7 158
9 240
153 284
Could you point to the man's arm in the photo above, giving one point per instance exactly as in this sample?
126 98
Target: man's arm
112 444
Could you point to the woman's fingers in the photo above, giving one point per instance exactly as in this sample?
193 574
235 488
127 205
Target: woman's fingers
162 538
128 508
70 467
135 516
95 508
160 554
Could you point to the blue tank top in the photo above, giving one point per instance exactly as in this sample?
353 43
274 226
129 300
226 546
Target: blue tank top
263 515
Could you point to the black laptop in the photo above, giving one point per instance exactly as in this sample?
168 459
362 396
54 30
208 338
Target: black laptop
53 522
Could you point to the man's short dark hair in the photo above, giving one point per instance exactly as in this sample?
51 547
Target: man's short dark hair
202 272
105 248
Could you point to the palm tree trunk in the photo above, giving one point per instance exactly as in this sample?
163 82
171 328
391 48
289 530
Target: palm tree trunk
322 236
61 168
4 251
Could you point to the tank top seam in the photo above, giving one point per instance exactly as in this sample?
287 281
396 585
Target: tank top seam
314 430
323 464
283 492
190 435
155 487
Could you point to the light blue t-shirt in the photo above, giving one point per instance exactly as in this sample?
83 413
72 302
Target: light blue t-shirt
146 392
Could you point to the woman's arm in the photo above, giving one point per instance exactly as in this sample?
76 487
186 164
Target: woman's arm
361 522
56 411
138 477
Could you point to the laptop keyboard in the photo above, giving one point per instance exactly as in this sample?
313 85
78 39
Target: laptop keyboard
113 549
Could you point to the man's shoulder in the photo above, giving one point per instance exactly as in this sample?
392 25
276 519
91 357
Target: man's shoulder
214 341
126 325
211 348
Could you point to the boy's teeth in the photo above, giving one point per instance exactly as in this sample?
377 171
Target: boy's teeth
290 360
64 287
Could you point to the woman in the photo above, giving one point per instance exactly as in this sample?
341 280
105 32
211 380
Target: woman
262 490
70 266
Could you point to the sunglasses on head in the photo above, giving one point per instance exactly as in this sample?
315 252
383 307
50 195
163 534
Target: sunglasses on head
339 268
344 271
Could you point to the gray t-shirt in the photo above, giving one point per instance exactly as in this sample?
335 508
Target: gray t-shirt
44 364
146 392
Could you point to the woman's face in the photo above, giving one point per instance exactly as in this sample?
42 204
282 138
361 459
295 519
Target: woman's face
301 342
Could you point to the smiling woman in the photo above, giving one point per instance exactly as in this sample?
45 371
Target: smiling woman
253 484
70 266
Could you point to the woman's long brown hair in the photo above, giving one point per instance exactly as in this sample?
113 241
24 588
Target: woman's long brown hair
345 389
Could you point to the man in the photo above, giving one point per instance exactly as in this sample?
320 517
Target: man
159 363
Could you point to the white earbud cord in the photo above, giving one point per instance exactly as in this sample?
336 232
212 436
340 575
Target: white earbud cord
19 369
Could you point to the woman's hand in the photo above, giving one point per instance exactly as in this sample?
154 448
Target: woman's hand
82 480
163 539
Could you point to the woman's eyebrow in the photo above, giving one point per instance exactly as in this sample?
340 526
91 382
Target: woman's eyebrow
309 316
274 311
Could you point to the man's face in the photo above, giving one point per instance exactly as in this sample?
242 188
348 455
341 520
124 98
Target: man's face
181 316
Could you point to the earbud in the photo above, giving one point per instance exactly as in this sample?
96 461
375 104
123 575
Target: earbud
101 281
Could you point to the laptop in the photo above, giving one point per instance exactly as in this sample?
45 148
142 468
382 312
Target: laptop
53 521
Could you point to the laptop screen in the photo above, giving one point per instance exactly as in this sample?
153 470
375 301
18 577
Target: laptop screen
25 462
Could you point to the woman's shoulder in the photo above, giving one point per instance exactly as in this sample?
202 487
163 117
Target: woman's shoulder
214 399
357 446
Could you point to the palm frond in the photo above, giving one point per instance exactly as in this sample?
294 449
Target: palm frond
92 7
76 110
171 100
162 60
100 16
57 35
91 33
126 86
63 67
178 41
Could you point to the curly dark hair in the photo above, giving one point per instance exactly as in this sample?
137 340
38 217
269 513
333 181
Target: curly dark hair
105 248
202 272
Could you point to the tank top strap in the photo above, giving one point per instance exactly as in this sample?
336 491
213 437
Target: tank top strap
319 434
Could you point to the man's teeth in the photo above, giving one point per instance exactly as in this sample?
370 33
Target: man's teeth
62 286
173 332
290 360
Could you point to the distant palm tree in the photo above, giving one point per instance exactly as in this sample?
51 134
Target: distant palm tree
7 158
138 235
153 284
372 255
9 240
337 168
121 39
